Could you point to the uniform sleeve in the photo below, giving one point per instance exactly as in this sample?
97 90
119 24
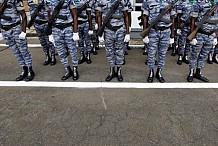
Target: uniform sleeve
72 4
173 11
19 5
145 8
194 11
179 8
125 4
98 5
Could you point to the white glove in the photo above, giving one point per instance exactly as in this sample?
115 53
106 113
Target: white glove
51 38
171 40
22 35
75 36
146 40
194 42
1 37
101 39
90 32
96 26
129 29
215 42
127 38
179 32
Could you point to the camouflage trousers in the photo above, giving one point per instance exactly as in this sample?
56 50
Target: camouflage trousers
84 37
183 45
114 46
158 41
18 46
43 39
64 38
200 51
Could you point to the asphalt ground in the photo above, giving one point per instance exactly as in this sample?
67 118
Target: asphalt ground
46 116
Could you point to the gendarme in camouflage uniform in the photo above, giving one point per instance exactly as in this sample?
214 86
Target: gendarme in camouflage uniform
115 33
160 36
13 29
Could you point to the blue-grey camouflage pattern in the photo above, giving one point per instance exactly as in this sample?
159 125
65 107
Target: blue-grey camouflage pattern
83 26
44 41
83 30
158 40
114 46
114 40
184 7
200 51
17 45
64 37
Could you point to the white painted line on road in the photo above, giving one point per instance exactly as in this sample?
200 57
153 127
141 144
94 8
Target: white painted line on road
38 45
106 84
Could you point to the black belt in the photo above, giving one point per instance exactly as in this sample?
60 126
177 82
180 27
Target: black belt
81 22
40 22
8 27
162 28
113 28
63 25
204 32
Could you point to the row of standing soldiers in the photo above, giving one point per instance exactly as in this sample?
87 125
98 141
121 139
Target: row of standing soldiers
80 20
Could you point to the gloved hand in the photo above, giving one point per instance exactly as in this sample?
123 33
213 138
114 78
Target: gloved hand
22 35
127 38
90 32
75 36
1 37
178 32
51 38
96 26
215 42
101 39
194 42
171 40
146 40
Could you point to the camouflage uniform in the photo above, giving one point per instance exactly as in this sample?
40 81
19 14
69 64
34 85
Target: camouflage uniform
63 35
83 29
158 36
11 29
204 37
114 37
40 24
183 10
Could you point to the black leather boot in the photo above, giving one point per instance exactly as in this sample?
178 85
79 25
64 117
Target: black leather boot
215 58
75 73
185 59
210 59
53 59
88 58
68 74
96 47
94 51
119 74
190 76
82 58
47 59
150 76
23 74
159 75
179 61
30 75
111 75
199 76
